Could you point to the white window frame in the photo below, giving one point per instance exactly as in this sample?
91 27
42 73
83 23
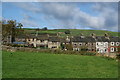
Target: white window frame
80 44
117 43
112 49
112 43
75 44
105 49
101 51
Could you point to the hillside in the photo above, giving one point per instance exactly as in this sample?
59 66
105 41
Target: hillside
74 32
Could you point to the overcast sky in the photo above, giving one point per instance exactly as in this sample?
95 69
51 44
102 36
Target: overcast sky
63 15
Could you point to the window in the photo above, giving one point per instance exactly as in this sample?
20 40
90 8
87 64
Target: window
105 44
112 49
54 47
80 44
86 43
92 49
98 49
77 49
117 43
105 50
101 51
97 44
75 44
86 49
92 44
112 43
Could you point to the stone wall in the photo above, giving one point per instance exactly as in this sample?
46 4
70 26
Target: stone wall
26 49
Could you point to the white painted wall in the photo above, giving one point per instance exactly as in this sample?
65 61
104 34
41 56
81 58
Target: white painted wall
102 47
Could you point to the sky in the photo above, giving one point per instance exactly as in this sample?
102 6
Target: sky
63 15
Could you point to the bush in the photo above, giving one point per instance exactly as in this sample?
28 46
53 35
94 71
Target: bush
87 53
67 32
45 28
118 56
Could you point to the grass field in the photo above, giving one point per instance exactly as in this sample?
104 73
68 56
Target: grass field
46 65
74 32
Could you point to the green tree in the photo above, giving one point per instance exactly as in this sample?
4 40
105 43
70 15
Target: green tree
11 29
45 28
67 32
69 46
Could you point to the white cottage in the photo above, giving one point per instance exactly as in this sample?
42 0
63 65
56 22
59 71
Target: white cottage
102 44
114 44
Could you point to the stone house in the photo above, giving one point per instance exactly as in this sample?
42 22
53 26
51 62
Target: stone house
66 43
38 41
21 38
102 44
106 44
42 41
31 40
77 42
54 43
114 44
83 43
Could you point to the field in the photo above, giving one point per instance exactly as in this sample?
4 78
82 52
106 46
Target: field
74 32
46 65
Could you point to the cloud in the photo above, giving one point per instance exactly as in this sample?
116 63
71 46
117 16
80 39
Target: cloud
28 22
71 16
109 12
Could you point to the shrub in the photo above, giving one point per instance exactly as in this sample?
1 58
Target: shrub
87 53
118 56
67 32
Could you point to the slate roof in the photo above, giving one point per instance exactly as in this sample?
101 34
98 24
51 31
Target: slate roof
77 39
63 40
98 39
114 39
102 39
40 37
73 39
54 39
21 36
31 36
90 39
85 39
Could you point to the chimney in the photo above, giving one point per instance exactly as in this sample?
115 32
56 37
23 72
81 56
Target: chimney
82 36
68 39
93 35
106 35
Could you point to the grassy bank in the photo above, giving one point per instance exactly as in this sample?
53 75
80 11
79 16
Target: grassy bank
46 65
74 32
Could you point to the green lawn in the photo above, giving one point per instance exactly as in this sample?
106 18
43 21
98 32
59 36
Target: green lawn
46 65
